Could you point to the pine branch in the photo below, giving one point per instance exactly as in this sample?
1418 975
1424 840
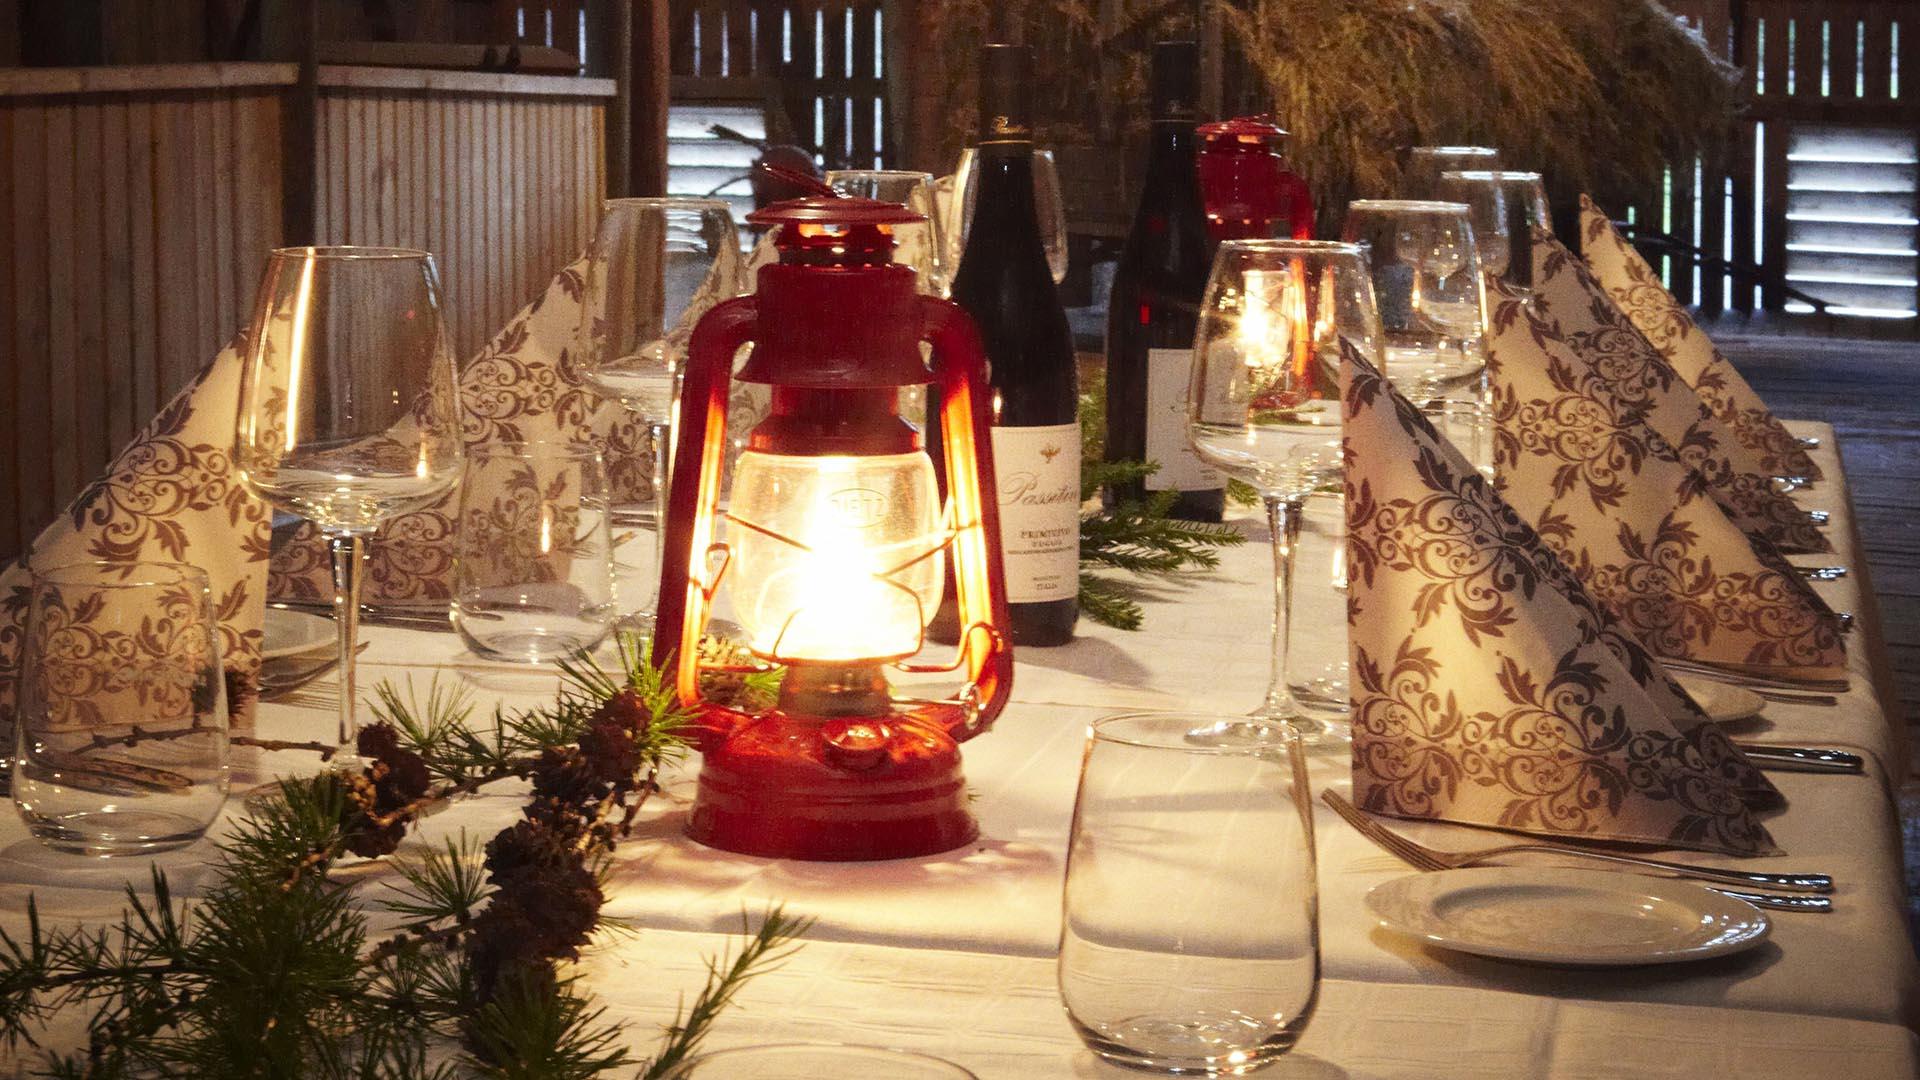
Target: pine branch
1104 602
766 947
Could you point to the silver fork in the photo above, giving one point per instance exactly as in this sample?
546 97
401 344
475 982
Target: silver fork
1426 858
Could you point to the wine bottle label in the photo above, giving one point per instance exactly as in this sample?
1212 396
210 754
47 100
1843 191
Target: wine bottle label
1169 373
1038 470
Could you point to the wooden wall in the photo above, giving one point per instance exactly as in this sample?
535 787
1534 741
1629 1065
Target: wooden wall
136 204
500 176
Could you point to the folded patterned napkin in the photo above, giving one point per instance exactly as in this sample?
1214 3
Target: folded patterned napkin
172 495
1634 383
1637 289
1488 687
1635 523
522 387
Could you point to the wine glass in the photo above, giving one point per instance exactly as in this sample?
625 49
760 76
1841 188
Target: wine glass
1264 404
1421 178
349 410
1049 208
1486 201
1525 215
655 266
921 246
1426 278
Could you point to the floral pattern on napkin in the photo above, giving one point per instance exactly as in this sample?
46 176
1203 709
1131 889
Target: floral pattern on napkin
1571 312
1633 521
523 386
1637 289
1488 687
173 495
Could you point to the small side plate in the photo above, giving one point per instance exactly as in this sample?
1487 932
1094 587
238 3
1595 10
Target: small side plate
1577 918
290 633
1722 703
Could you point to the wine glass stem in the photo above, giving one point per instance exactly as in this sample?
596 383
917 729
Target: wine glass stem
1283 521
347 549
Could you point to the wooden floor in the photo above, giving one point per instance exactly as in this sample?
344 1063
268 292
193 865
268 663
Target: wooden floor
1870 392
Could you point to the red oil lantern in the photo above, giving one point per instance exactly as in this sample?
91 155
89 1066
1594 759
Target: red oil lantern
835 549
1249 190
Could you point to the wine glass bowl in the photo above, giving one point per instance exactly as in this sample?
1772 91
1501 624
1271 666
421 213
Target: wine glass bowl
1265 399
1426 280
349 406
1420 179
1524 215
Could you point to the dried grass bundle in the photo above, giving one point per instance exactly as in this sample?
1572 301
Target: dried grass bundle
1598 95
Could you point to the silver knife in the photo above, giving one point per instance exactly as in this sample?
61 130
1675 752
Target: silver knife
1803 759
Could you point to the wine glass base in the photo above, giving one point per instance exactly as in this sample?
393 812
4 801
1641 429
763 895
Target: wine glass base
1319 732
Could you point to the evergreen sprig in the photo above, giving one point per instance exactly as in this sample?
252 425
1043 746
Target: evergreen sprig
275 972
1136 537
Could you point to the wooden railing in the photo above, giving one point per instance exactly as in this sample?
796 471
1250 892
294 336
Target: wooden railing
834 90
136 204
1819 186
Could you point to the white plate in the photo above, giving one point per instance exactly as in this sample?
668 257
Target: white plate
1722 703
290 633
1582 918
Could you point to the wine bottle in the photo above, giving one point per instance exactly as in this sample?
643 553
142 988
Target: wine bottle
1003 282
1155 304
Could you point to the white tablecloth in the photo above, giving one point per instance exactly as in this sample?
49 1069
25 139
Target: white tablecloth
953 953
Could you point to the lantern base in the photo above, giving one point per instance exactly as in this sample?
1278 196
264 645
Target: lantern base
833 789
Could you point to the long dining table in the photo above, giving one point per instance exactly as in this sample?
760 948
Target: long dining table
953 954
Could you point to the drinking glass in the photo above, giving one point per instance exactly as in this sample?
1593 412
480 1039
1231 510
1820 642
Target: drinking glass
533 580
654 267
1189 929
1526 214
1426 278
1421 178
811 1061
1264 404
920 246
122 726
1049 207
349 410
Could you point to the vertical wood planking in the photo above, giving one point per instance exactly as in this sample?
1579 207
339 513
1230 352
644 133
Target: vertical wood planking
12 360
143 241
226 210
1808 57
116 279
1879 42
63 383
31 390
89 372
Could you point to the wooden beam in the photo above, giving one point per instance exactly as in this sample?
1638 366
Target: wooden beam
611 55
646 134
298 156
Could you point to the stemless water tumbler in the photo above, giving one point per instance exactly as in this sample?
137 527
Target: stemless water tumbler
122 709
1189 937
534 576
